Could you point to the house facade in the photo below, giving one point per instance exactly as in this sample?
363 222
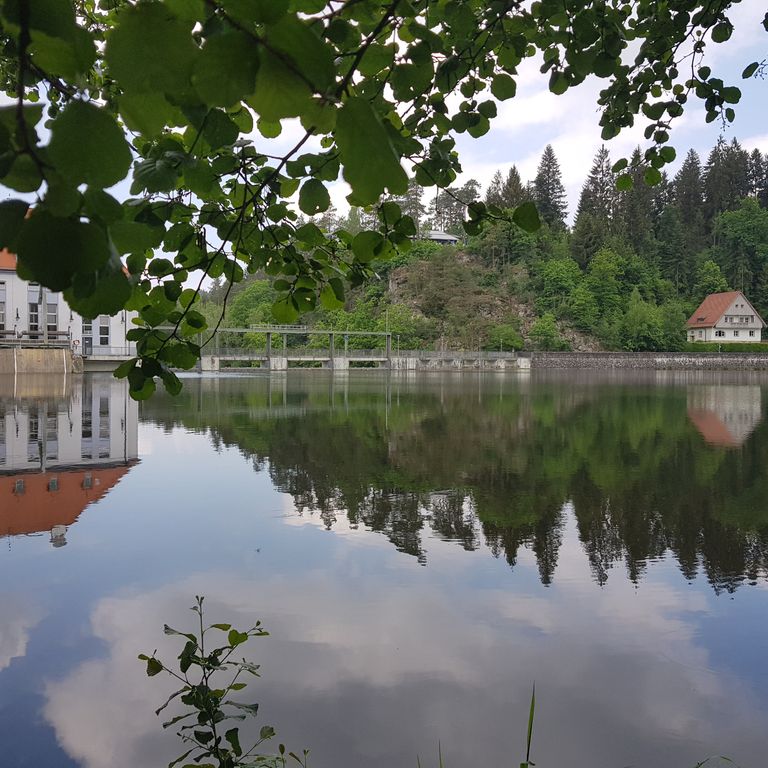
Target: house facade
33 314
725 318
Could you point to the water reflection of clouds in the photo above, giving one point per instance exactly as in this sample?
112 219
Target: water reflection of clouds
18 619
365 673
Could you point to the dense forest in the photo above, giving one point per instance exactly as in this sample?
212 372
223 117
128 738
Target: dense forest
642 251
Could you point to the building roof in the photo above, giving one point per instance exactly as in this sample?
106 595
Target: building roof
7 260
436 234
713 308
37 509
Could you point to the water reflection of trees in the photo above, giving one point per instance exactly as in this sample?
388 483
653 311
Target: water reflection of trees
499 470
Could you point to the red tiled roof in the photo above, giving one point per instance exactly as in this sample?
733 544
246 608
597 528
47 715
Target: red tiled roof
712 309
7 260
38 509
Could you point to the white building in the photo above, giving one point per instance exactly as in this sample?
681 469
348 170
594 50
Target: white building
33 314
725 318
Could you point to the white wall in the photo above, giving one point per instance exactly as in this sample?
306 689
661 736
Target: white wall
17 300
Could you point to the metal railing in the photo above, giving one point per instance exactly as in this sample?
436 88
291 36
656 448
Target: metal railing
245 353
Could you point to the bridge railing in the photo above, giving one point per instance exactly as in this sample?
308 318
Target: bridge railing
245 353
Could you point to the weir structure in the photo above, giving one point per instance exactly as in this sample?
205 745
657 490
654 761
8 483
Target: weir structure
337 353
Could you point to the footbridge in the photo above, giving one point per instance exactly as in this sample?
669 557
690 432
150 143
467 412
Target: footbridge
275 353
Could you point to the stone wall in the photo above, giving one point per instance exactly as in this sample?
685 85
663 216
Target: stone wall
746 361
17 361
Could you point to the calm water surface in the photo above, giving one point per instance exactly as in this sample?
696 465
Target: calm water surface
421 550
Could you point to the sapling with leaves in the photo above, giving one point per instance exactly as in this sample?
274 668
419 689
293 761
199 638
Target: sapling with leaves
209 675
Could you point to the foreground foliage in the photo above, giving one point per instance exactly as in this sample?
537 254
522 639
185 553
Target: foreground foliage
182 101
209 706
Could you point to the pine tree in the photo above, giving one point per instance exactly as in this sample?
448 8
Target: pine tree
688 196
512 190
636 206
548 190
493 193
676 262
758 177
411 203
726 178
448 207
596 212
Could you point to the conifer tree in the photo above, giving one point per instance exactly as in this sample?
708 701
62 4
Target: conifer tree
726 178
512 190
598 195
549 192
595 215
758 177
688 196
637 208
493 193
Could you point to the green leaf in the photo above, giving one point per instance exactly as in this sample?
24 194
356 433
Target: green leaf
80 247
750 70
558 83
328 298
503 87
101 205
151 51
232 737
314 197
371 165
303 51
225 72
104 292
68 57
624 182
12 215
279 91
366 245
266 732
24 175
133 237
171 382
652 176
147 113
527 217
285 310
154 667
722 32
155 175
235 638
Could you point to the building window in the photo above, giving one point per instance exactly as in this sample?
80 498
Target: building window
701 334
2 306
735 334
104 330
34 318
52 313
719 333
752 334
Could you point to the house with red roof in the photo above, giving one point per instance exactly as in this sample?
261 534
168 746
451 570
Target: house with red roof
726 317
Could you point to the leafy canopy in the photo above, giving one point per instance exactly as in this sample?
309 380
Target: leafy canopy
181 97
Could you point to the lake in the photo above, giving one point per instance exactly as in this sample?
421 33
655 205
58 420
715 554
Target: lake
422 549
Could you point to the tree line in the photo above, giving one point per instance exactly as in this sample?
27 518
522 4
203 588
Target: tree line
628 271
